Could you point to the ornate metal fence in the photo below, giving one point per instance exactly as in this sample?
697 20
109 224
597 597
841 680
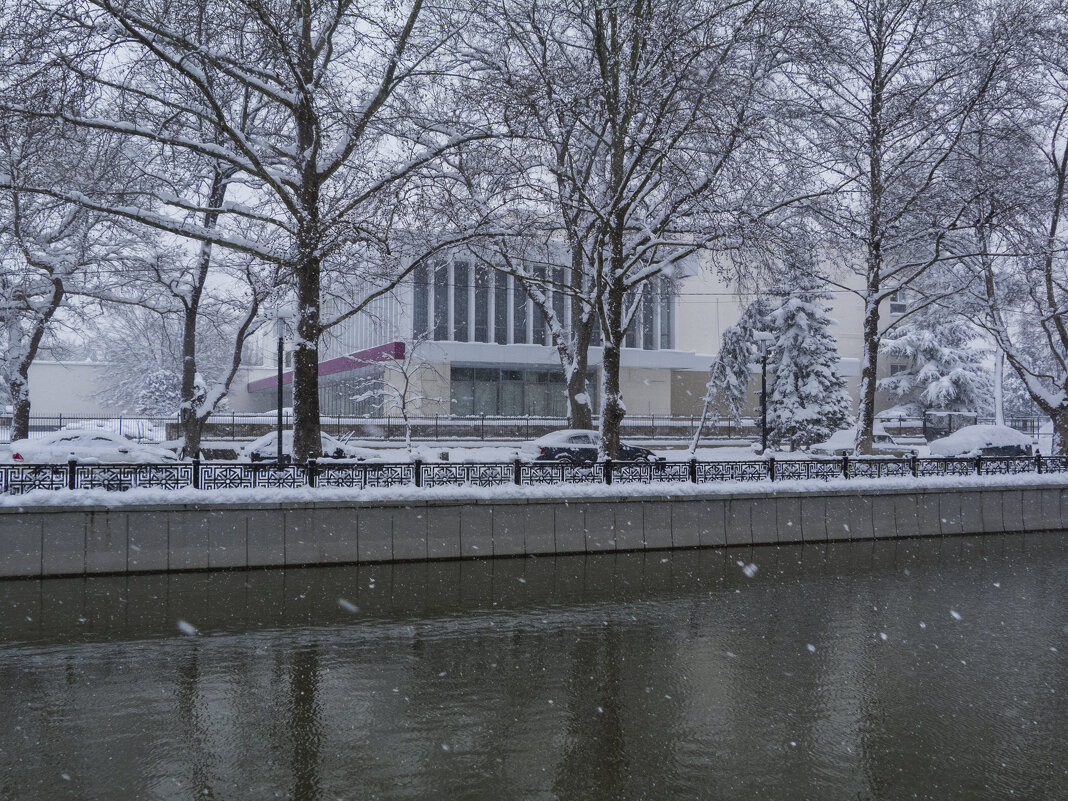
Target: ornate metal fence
16 479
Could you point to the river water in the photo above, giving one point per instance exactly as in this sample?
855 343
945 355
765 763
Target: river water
930 669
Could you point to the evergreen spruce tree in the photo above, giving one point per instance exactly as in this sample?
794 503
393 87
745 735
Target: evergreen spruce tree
807 398
946 364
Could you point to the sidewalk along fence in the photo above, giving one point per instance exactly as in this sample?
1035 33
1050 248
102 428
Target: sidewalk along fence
236 426
17 479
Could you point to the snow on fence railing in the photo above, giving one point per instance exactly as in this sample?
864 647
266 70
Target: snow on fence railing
20 478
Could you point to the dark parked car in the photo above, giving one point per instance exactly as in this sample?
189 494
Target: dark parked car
579 446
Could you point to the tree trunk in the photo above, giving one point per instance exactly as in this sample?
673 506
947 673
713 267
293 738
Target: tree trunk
193 432
19 388
1060 430
614 410
868 380
999 388
306 441
188 413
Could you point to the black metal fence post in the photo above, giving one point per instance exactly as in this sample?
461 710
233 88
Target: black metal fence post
693 471
771 468
72 473
608 471
845 465
979 465
1038 463
914 464
196 472
517 472
312 472
418 472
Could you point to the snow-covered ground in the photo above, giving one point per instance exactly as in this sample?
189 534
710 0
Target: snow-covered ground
156 497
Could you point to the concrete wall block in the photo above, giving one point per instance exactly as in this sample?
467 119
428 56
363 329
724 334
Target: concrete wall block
764 520
570 526
337 533
993 512
476 531
862 518
537 528
739 522
147 538
510 523
656 523
63 545
907 512
227 538
971 512
600 524
409 532
949 513
840 520
1064 504
688 522
814 518
884 516
928 515
374 537
1012 510
1049 506
265 544
630 526
106 541
188 541
443 533
301 537
788 519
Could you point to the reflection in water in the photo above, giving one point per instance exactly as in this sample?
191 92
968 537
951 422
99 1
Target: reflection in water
837 671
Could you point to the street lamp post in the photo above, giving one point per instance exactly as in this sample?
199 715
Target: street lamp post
281 323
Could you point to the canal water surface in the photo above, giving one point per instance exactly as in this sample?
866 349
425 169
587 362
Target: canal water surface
929 669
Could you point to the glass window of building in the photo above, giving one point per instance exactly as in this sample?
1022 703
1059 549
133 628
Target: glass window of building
559 296
441 301
899 302
482 303
420 301
500 309
519 313
630 339
667 314
649 311
461 331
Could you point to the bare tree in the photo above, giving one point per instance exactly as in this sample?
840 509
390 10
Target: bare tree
317 116
885 91
643 136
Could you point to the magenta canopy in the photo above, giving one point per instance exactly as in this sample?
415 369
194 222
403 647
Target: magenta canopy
342 364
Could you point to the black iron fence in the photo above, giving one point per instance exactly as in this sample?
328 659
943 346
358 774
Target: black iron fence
20 478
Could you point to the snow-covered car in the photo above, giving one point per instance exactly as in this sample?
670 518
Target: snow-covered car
842 443
983 441
84 445
265 449
579 446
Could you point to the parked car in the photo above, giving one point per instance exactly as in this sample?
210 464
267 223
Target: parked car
842 443
579 446
84 444
983 441
265 449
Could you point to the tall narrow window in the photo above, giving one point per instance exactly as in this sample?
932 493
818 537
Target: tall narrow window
441 301
420 301
482 303
667 314
559 296
461 331
649 304
519 313
500 308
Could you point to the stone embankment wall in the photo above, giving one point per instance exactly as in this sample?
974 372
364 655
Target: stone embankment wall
65 540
